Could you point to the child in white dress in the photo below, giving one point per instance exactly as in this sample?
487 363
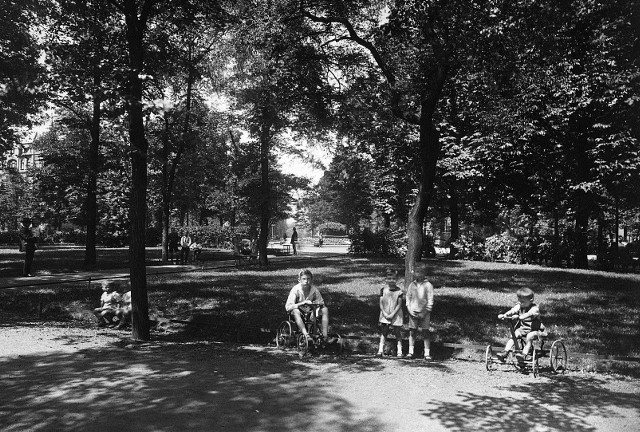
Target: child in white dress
391 316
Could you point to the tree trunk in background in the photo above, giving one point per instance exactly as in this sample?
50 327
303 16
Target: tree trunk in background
581 226
138 147
265 204
555 258
91 203
455 221
93 155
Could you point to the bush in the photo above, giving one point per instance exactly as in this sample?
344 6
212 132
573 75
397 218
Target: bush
504 247
470 246
383 243
9 238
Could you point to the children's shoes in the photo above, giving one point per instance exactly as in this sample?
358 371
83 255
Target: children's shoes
502 356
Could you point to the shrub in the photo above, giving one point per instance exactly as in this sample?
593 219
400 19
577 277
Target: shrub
470 246
383 243
9 238
504 247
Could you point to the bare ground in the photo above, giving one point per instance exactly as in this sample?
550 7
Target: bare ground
60 377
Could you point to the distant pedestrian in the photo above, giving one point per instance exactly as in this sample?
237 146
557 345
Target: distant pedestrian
174 241
28 244
197 251
185 244
294 240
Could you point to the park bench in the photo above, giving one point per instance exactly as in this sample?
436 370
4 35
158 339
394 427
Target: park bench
239 259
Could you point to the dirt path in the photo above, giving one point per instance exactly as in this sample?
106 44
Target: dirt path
76 379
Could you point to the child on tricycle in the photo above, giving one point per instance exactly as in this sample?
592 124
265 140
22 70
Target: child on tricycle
529 326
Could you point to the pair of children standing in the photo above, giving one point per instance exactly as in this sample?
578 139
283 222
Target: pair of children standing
419 300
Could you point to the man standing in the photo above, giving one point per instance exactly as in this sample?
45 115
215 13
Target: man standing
185 244
28 243
173 240
294 240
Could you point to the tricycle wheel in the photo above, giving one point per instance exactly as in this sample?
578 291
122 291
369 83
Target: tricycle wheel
511 358
488 359
558 357
303 345
284 335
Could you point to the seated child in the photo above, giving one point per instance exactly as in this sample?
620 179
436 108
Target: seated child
529 326
124 312
302 295
109 305
391 315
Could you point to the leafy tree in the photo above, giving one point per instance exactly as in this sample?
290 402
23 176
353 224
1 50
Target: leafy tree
84 65
20 87
279 86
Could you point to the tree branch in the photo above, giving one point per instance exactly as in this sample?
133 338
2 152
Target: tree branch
396 99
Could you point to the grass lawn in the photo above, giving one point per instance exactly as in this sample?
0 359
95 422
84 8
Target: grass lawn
55 259
593 312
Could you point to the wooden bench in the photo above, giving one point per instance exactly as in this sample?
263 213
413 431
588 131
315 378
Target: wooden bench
249 259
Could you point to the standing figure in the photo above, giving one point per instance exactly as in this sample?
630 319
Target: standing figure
185 244
419 304
28 244
294 240
174 241
391 316
197 250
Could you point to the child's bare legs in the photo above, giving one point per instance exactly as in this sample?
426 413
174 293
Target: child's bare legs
426 339
412 341
297 316
529 341
397 330
384 331
325 321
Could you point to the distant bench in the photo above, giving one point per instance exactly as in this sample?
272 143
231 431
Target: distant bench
249 259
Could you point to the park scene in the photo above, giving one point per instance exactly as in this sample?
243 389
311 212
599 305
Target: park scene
319 215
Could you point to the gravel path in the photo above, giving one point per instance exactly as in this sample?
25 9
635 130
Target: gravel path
61 378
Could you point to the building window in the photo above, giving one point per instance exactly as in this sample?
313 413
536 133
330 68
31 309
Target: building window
22 164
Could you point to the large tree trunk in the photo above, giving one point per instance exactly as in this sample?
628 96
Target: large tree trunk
93 155
138 153
428 155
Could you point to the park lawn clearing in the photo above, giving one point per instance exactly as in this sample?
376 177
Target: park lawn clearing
592 312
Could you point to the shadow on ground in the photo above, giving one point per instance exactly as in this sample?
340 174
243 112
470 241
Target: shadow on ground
564 404
167 387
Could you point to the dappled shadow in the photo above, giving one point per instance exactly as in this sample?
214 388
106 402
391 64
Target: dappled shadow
563 404
151 387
